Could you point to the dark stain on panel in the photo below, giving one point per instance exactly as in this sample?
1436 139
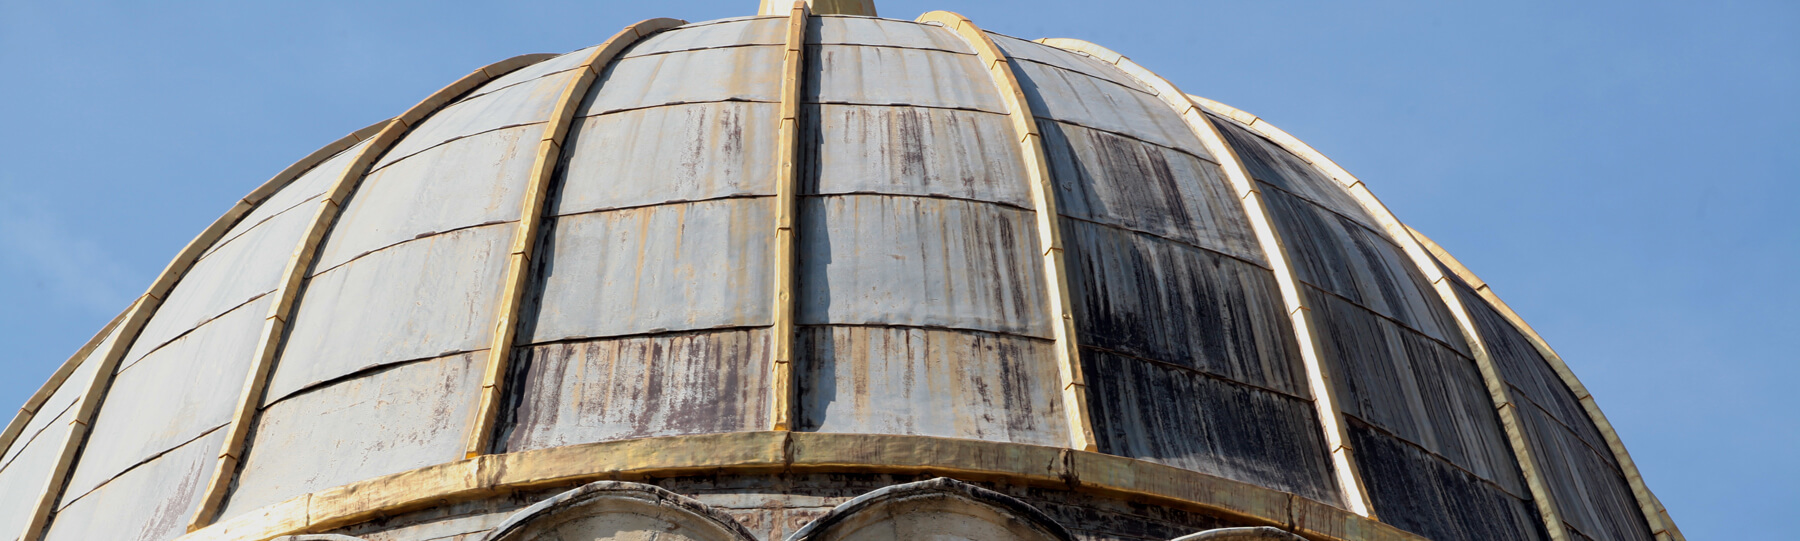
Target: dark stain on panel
1175 416
1417 492
620 388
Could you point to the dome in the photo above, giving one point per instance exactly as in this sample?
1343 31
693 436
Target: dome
748 273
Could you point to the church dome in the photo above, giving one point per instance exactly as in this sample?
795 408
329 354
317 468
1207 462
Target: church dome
818 247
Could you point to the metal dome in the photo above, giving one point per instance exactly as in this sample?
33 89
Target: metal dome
811 244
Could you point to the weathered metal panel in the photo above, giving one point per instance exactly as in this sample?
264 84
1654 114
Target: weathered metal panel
1150 298
1525 369
152 502
303 189
728 74
525 103
1413 387
1107 178
760 31
1587 487
1175 416
1270 163
957 384
911 151
1059 58
171 396
919 261
245 268
472 181
618 388
23 477
667 154
1063 95
1420 493
559 64
860 75
838 30
424 298
1338 255
391 420
653 269
61 399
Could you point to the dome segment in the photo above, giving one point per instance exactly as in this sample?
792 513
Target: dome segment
817 244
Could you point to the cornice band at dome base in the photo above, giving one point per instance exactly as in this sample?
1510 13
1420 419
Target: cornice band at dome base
799 452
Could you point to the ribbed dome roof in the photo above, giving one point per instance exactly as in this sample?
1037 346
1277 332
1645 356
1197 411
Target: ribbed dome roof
884 227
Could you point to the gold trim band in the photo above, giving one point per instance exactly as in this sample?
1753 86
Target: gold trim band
783 386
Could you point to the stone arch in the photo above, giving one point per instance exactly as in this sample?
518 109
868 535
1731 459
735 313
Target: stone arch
606 510
936 509
1259 533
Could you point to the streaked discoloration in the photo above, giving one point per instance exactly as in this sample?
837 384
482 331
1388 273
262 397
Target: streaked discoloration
669 384
152 502
1403 476
933 382
729 74
840 30
905 150
738 33
660 155
893 76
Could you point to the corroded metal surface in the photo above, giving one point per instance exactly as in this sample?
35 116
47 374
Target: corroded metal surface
840 30
24 474
1067 96
884 260
1398 473
621 388
173 395
901 150
404 417
738 33
895 76
660 155
1055 57
420 299
672 267
957 384
728 74
151 502
528 102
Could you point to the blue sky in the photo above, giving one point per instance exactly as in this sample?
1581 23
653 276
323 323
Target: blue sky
1620 172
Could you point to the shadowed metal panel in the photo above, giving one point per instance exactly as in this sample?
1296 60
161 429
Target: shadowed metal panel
525 103
23 477
475 180
1044 54
1056 94
653 269
152 502
838 30
1270 163
1107 178
610 389
171 396
1158 300
387 421
1584 478
245 268
886 260
760 31
1175 416
666 154
1335 254
1421 494
894 76
424 298
1413 387
559 64
728 74
911 151
888 380
305 188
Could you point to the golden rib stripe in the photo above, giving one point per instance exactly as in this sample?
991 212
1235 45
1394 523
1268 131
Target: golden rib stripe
1497 388
531 217
133 320
787 453
294 274
1325 398
1660 525
782 386
1043 199
62 373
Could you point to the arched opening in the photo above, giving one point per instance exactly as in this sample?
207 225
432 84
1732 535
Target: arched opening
614 510
939 509
1259 533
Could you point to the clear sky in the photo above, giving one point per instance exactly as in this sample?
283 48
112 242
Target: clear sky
1620 172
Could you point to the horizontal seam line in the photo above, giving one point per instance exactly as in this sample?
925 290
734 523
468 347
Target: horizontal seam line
1205 373
1402 324
1131 137
900 105
381 166
159 454
930 327
1439 457
1008 206
184 334
1088 75
1263 266
372 251
552 213
1378 233
352 375
521 343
